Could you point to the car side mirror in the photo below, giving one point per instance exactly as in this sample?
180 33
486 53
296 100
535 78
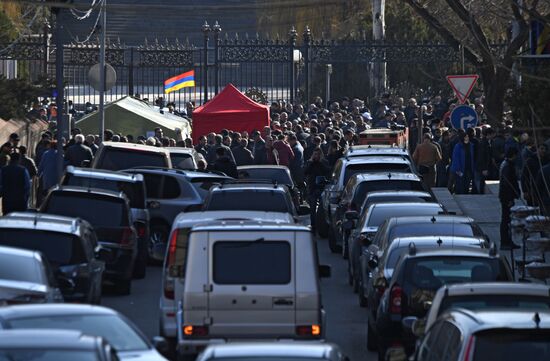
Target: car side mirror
86 164
320 180
65 283
303 210
414 325
325 271
352 215
103 253
161 345
373 262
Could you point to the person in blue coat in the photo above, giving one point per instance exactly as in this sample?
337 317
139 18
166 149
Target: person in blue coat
463 164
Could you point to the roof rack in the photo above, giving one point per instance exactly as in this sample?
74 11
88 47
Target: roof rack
249 181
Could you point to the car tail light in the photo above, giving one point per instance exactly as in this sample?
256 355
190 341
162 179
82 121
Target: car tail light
141 229
189 330
310 330
396 294
469 349
168 281
127 236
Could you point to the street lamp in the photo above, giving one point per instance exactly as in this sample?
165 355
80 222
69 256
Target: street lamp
206 31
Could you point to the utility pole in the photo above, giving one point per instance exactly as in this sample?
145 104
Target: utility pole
378 75
60 98
102 69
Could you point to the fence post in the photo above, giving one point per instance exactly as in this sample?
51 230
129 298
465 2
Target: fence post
216 29
206 31
131 73
293 35
307 43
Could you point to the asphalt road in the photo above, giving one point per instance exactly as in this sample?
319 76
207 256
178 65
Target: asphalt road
346 321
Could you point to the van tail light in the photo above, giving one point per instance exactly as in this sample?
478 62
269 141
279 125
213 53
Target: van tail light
127 236
168 280
190 330
469 349
396 294
172 249
309 330
141 229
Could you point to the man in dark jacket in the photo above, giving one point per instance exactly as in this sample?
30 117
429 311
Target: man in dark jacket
77 153
213 151
483 161
15 185
202 147
224 164
530 172
508 191
316 166
242 155
259 151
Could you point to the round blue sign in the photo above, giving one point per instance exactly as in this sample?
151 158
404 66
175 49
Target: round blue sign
464 117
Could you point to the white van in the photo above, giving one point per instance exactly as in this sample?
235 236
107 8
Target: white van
175 254
247 280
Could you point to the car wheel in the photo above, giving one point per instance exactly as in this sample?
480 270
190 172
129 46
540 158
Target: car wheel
334 248
320 224
124 287
372 341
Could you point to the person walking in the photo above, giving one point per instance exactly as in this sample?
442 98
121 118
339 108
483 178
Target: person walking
442 167
242 155
78 153
483 162
286 155
426 155
47 171
258 148
508 191
463 164
317 166
296 166
15 186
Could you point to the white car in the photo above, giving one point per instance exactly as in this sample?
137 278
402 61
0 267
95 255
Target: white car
273 351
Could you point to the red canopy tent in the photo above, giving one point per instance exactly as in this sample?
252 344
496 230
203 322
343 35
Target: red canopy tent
231 110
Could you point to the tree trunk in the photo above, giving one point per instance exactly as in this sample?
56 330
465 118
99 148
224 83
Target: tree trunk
494 84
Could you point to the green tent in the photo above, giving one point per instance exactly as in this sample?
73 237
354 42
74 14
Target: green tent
129 115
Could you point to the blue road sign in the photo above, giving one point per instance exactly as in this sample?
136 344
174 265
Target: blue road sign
464 116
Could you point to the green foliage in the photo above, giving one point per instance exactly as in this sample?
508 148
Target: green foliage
17 95
8 31
533 94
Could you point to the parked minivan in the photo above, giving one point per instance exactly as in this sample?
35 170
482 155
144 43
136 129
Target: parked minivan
118 156
247 280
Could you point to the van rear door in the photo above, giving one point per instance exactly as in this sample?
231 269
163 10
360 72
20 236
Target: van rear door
252 284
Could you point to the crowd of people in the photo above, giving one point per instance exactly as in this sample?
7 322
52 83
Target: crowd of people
309 139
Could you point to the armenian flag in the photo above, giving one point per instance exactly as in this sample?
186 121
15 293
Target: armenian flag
177 82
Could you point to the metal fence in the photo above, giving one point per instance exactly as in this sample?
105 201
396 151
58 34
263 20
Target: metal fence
280 68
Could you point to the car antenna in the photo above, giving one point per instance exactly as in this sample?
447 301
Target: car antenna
389 175
412 249
439 242
536 318
433 219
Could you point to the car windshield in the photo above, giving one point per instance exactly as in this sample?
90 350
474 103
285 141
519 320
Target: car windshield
429 229
512 345
134 190
352 169
112 328
279 175
59 248
381 213
19 268
47 355
248 200
182 161
270 358
484 301
403 248
203 185
387 198
117 159
384 185
99 211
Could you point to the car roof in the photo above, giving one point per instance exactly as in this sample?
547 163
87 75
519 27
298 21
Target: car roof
86 190
188 174
181 150
358 150
378 159
45 339
263 166
192 218
42 222
134 146
496 288
272 349
406 204
104 174
52 309
249 225
501 318
435 241
252 184
18 252
440 218
365 177
398 193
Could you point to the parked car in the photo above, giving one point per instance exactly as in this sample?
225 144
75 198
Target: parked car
26 277
117 330
377 151
396 196
118 156
357 188
271 173
343 170
417 276
133 186
248 280
54 345
274 351
169 192
504 335
109 213
489 296
69 244
175 261
185 158
361 236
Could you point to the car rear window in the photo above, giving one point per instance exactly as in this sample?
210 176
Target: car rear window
47 355
252 262
182 161
59 248
18 268
203 185
429 229
482 302
394 199
512 345
117 159
365 188
353 169
135 191
380 214
99 211
247 200
281 176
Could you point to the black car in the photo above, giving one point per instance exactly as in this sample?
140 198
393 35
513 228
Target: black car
416 279
70 246
133 186
273 173
109 213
